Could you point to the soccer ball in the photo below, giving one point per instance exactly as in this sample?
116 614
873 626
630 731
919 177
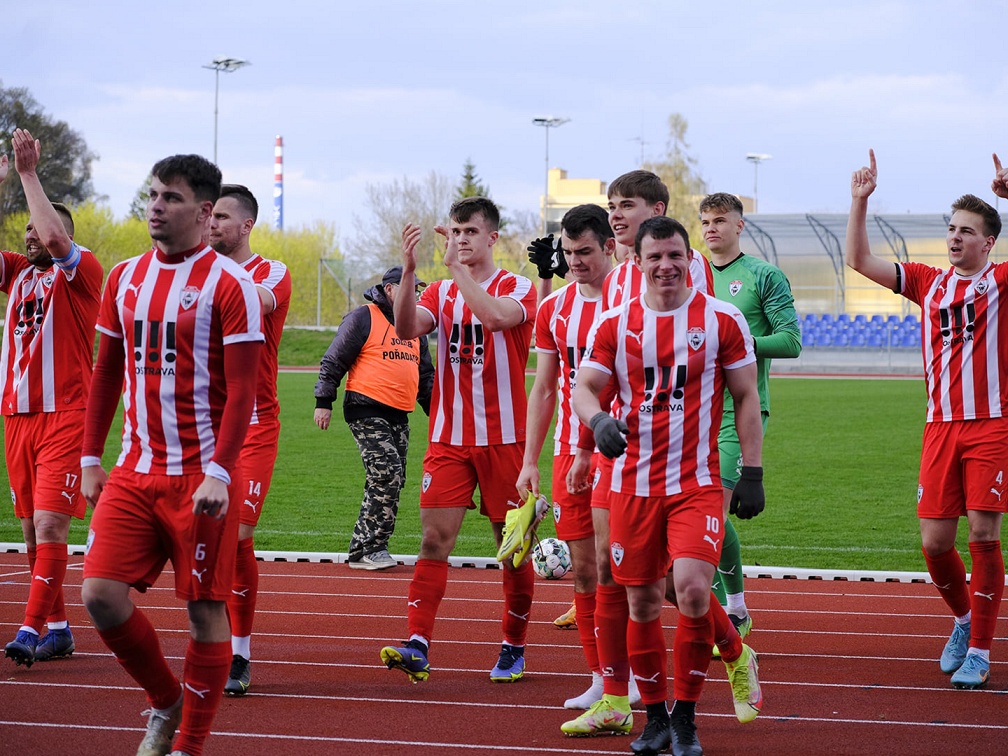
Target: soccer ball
551 559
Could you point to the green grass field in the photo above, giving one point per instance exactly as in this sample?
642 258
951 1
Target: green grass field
841 460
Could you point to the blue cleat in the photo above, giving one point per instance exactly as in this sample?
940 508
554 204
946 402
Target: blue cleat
954 653
56 644
22 648
411 659
974 673
510 664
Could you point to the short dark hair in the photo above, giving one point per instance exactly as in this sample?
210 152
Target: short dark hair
644 184
722 201
202 176
466 208
65 216
246 200
973 204
583 218
660 227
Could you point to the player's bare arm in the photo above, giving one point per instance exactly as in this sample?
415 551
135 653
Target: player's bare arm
267 299
857 252
410 321
541 409
579 474
1000 184
47 223
496 313
741 384
103 403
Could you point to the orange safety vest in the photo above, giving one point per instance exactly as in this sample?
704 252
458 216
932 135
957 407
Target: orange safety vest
387 368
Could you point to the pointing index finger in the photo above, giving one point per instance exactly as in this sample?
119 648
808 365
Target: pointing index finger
871 159
997 163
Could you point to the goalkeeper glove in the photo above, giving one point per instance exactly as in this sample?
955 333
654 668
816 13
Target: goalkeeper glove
610 434
548 259
747 499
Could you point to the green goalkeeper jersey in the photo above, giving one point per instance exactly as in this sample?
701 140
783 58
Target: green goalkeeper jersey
762 292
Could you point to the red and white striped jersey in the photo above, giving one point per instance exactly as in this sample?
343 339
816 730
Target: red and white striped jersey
48 345
479 389
176 319
273 276
562 326
964 338
670 381
626 281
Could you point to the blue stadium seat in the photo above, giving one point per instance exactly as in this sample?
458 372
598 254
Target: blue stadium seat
843 317
861 319
858 340
810 317
911 320
894 320
841 340
908 341
877 319
808 339
826 318
824 340
875 340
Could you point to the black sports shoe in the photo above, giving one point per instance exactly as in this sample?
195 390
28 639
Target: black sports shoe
240 676
655 739
56 644
684 739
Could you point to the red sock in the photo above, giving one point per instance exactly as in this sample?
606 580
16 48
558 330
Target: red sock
612 612
584 610
241 606
136 648
519 585
728 641
987 583
47 580
430 578
205 674
646 646
58 611
691 655
948 573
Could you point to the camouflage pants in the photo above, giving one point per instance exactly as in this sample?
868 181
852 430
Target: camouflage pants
383 447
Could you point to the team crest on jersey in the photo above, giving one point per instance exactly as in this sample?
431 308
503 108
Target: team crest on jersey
598 476
188 297
48 278
734 287
616 549
695 337
556 513
426 481
981 287
920 492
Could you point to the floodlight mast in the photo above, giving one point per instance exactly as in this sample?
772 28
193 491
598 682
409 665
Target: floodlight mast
547 122
227 65
756 158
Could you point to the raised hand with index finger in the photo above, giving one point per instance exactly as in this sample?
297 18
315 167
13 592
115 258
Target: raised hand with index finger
27 151
863 181
410 239
1000 184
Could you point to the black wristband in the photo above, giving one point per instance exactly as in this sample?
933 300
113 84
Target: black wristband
751 473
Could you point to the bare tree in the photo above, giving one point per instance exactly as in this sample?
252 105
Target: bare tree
678 169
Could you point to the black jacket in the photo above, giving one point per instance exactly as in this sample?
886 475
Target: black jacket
350 338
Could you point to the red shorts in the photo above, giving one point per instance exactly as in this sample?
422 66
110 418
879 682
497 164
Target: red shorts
143 520
451 474
257 458
43 451
647 533
571 512
601 480
964 465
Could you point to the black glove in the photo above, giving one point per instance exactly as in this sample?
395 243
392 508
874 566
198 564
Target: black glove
548 259
610 434
748 499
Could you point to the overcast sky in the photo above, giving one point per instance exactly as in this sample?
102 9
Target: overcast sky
370 91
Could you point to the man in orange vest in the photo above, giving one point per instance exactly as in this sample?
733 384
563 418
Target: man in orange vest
386 377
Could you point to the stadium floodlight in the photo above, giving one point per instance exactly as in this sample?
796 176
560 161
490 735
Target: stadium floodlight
756 158
547 122
227 65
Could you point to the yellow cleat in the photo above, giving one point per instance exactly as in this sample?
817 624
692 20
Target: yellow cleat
567 620
608 716
519 528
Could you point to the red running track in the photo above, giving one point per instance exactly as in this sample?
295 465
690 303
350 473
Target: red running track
846 668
